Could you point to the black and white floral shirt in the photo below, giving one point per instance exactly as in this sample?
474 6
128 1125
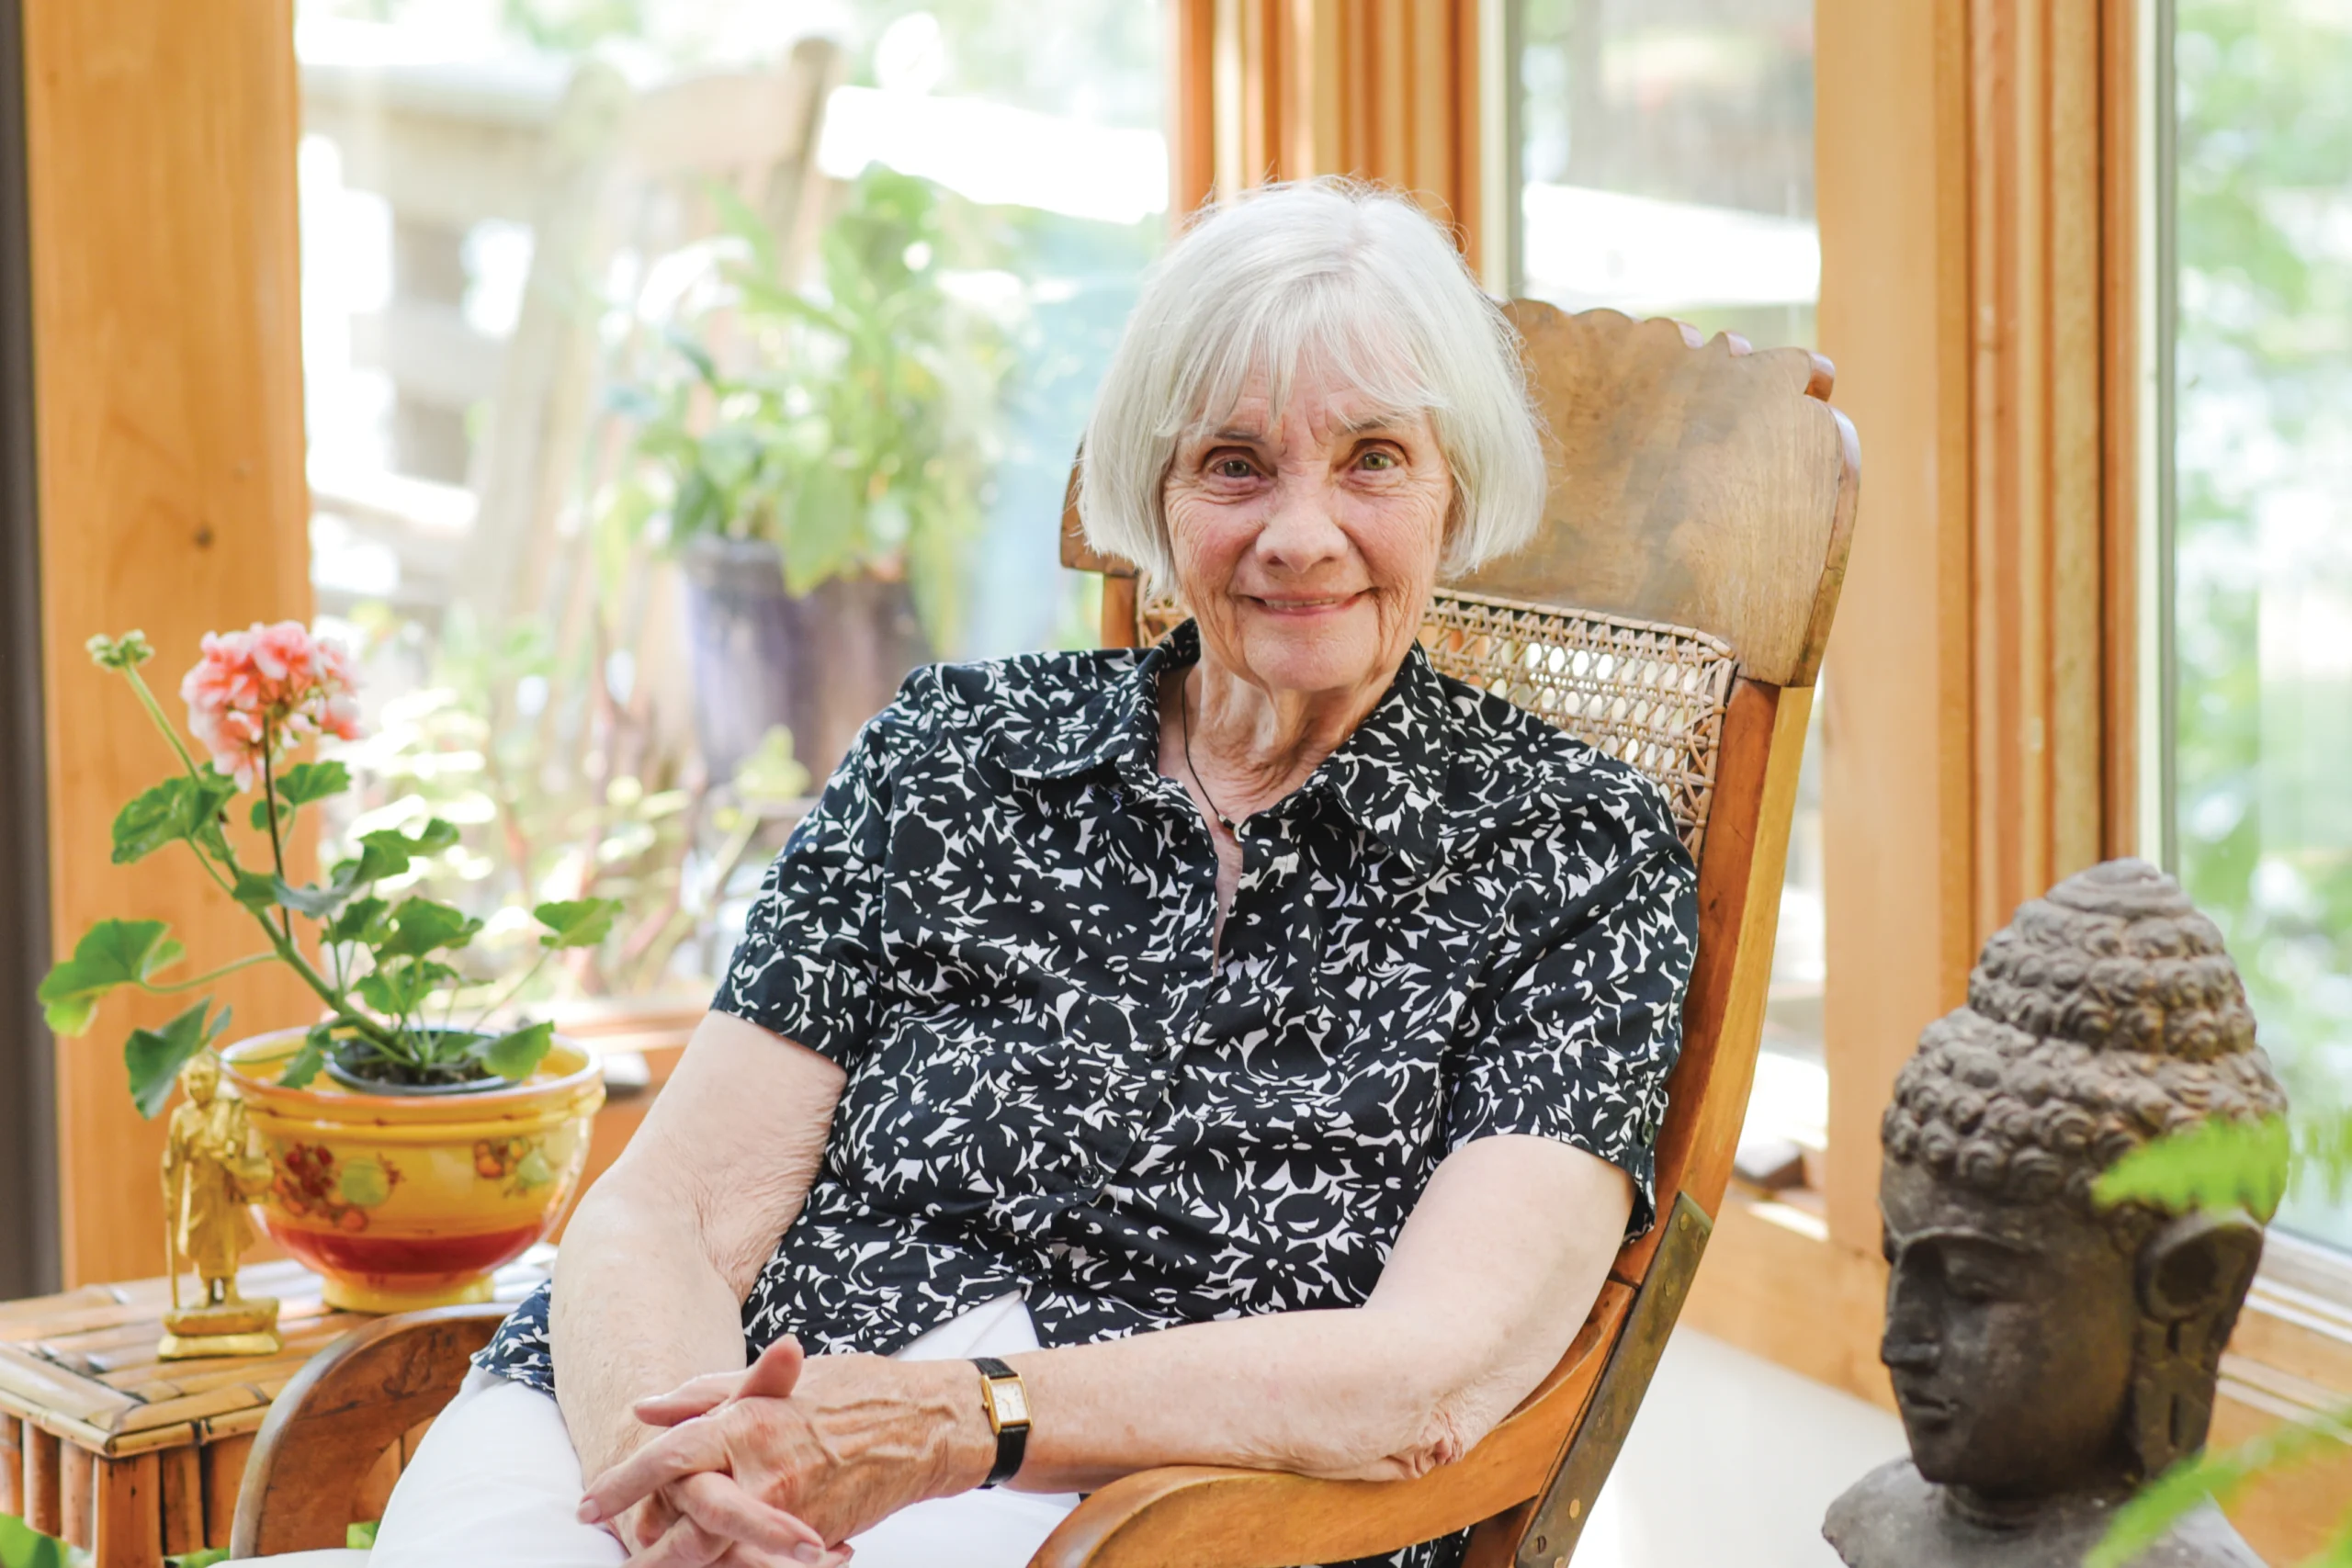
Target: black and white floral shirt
998 921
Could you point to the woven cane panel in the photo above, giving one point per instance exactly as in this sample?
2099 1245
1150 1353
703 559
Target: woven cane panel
1650 695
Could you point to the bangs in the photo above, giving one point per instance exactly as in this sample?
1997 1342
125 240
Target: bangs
1332 327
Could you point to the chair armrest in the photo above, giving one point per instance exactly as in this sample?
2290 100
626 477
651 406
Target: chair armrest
1205 1516
350 1403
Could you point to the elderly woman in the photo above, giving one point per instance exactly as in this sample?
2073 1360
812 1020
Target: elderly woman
1243 1052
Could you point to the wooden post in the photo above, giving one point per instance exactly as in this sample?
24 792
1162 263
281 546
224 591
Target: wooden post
1891 151
131 1512
182 1500
224 1472
41 1490
1387 92
1975 175
12 1466
168 398
77 1496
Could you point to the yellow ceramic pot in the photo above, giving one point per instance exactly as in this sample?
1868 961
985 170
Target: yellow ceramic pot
403 1201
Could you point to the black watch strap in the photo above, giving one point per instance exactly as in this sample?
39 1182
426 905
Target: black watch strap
1006 1403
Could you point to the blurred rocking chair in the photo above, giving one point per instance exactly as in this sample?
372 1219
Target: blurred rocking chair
1672 611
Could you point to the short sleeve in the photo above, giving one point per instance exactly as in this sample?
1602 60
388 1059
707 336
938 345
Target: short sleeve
1578 1018
809 964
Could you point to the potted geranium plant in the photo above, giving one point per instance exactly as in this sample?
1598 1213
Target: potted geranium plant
414 1153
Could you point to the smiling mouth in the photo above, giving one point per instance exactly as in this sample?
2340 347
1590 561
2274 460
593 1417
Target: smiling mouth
1305 606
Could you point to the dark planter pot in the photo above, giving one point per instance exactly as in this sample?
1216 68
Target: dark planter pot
820 665
346 1062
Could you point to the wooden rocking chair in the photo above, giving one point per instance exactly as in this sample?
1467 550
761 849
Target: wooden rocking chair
1672 611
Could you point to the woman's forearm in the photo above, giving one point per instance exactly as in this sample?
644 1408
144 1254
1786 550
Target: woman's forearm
1483 1294
650 1280
638 1307
1362 1394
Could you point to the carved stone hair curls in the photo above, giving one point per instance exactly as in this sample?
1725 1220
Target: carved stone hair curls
2103 1016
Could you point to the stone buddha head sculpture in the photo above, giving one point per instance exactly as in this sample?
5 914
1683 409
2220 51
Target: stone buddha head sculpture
2048 1353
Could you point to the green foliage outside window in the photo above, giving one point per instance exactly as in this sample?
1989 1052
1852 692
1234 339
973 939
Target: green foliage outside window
850 425
2263 624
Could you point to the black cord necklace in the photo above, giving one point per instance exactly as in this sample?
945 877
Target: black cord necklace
1185 721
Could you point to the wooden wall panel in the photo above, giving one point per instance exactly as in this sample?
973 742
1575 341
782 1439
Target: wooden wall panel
166 329
1974 165
1891 171
2052 177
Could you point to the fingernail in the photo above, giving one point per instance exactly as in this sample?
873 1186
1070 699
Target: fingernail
589 1513
808 1554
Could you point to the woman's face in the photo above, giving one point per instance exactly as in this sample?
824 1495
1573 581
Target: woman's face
1307 538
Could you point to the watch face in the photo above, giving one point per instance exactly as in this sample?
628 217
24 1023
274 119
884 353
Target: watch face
1010 1405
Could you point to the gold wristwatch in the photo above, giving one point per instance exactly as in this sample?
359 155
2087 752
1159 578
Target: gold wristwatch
1007 1404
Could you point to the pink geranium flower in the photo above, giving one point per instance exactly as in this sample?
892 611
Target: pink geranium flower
257 693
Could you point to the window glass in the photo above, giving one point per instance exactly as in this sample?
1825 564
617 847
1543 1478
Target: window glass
1666 155
679 373
2261 535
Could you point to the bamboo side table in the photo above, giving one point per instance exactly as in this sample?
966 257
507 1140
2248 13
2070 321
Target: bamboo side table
132 1458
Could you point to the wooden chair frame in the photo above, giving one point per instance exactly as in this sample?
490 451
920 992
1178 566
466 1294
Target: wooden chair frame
1695 485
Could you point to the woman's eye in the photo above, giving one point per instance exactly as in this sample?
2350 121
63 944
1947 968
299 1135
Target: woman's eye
1379 462
1230 468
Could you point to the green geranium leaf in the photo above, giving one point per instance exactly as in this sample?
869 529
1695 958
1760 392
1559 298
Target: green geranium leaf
154 1056
361 920
204 1559
256 891
306 782
418 926
399 990
111 954
388 850
577 922
515 1055
314 901
308 1059
178 808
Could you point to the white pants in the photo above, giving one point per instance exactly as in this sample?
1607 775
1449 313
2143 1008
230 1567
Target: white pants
496 1482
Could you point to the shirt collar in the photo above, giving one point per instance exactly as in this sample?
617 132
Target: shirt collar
1389 777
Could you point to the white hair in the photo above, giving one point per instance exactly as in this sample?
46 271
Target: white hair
1347 278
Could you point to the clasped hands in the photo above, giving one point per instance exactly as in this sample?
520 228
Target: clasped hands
780 1463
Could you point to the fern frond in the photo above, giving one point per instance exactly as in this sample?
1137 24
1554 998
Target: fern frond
2214 1165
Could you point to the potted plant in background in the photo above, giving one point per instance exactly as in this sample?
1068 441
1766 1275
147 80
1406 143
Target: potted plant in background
818 461
412 1153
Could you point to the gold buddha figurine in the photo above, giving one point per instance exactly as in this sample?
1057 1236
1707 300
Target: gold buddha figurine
212 1168
2048 1354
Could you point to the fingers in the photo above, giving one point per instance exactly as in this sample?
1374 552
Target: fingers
696 1396
723 1508
697 1445
721 1526
775 1373
686 1544
773 1376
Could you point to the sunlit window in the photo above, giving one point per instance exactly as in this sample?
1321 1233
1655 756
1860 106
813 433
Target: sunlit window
2260 734
1666 156
680 373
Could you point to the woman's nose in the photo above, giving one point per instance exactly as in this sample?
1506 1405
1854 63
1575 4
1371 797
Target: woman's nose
1301 530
